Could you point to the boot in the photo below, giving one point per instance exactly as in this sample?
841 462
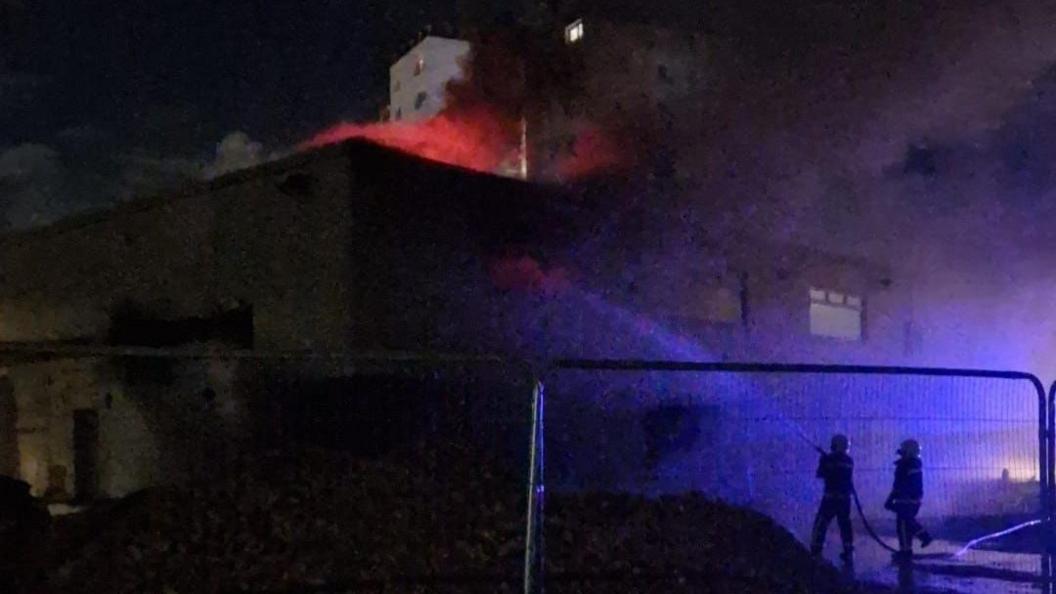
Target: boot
847 556
925 539
902 556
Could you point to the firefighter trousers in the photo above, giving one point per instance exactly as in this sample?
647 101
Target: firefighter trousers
908 527
838 507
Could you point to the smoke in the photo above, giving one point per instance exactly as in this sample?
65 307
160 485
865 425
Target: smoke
911 136
478 127
481 125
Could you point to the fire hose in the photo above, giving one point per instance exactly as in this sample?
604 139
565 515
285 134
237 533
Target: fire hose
857 503
869 529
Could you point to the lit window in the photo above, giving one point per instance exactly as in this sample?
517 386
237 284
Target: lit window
835 315
574 32
419 66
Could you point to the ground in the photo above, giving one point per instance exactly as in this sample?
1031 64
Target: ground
453 520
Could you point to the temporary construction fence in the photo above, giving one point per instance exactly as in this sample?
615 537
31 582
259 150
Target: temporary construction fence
740 432
290 469
748 433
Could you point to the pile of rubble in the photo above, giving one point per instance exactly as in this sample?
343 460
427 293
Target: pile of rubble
444 521
686 543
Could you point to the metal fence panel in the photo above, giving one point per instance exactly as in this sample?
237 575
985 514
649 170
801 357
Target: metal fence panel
740 432
300 469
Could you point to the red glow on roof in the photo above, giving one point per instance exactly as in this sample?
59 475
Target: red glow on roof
475 139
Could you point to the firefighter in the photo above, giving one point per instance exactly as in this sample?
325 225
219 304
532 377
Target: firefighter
905 499
836 469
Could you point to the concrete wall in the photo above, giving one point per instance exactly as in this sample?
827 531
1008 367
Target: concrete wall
778 283
424 71
47 394
273 240
357 248
241 239
151 430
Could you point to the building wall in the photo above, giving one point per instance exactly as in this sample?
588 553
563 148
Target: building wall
778 284
272 240
241 239
356 248
47 394
417 81
152 429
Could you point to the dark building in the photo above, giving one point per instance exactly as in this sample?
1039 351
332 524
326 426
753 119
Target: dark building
355 248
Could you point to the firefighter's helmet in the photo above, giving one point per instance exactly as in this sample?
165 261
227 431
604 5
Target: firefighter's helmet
910 448
840 443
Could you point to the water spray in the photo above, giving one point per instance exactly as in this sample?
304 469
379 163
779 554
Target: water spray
1005 532
682 345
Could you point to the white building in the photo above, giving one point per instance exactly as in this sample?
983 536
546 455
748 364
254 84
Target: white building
418 79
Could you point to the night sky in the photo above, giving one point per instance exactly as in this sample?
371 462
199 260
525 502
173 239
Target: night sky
276 69
104 100
116 98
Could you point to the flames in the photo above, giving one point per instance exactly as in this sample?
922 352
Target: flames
482 126
478 139
481 139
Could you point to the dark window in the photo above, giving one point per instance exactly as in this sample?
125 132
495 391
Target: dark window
420 100
130 326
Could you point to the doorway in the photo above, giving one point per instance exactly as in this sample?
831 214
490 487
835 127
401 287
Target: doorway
85 454
9 465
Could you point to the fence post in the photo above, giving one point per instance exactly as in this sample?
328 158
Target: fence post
533 546
1049 471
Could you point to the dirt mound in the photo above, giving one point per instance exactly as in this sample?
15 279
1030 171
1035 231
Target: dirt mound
442 521
685 543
